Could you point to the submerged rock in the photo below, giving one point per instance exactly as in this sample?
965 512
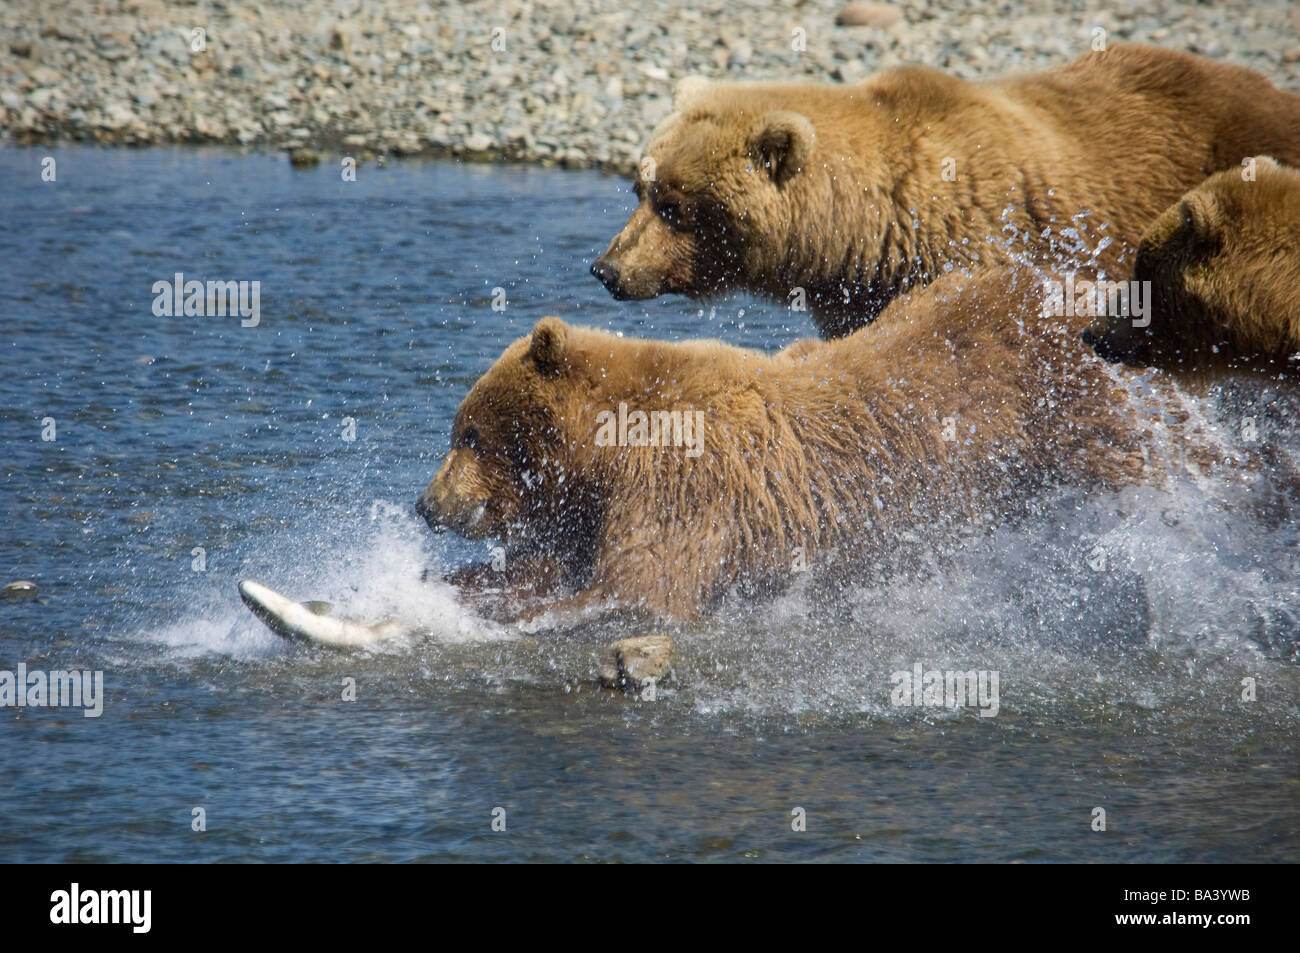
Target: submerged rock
631 664
304 158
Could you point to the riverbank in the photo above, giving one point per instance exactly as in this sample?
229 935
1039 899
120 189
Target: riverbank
577 83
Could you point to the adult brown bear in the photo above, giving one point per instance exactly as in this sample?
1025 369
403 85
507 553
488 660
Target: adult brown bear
653 475
838 198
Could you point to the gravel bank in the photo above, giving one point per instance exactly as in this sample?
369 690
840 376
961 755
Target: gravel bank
573 82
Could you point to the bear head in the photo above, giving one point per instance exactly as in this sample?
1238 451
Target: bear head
513 473
1223 265
719 189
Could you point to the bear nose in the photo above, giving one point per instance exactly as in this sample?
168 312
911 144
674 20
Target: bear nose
428 514
606 273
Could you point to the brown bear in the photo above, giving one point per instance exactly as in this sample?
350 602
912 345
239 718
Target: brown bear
1223 265
837 198
654 475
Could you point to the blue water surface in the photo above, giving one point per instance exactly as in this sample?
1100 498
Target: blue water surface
191 452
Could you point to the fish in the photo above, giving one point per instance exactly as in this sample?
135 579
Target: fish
312 622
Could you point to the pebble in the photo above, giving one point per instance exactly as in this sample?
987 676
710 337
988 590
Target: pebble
879 15
578 82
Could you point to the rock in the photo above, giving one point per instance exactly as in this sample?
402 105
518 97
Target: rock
304 158
18 589
44 76
341 40
118 115
879 15
741 53
519 136
59 33
633 663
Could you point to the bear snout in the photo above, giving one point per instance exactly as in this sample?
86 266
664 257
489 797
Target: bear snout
606 274
626 282
433 504
450 502
429 514
635 264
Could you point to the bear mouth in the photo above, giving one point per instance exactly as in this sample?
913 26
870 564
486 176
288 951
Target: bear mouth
470 522
618 294
621 292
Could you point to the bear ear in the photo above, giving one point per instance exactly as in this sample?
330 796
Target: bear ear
688 89
1267 162
1201 214
549 346
784 145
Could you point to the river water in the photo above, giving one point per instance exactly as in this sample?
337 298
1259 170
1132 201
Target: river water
191 452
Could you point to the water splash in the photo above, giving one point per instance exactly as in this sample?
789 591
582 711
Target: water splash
371 574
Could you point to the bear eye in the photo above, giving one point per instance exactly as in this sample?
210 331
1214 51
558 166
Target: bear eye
670 210
470 438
